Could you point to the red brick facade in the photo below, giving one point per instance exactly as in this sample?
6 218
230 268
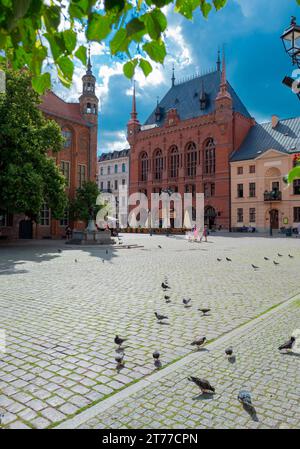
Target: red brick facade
190 154
78 158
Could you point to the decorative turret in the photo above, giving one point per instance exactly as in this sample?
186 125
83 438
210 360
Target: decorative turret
133 126
224 102
88 100
157 111
223 92
219 62
173 76
202 98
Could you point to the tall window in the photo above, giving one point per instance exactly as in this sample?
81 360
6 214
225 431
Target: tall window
240 217
108 170
297 214
101 185
64 221
123 182
240 170
252 169
240 191
191 159
116 168
108 185
65 168
123 168
5 218
45 215
116 184
174 162
296 187
158 164
81 175
144 167
252 190
101 171
209 189
252 215
210 157
67 135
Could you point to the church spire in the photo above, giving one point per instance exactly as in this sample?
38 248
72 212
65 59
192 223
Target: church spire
173 76
133 110
89 65
219 61
223 92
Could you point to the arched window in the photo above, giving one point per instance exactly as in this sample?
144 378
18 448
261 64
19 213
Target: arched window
210 157
67 135
144 166
191 159
158 164
174 162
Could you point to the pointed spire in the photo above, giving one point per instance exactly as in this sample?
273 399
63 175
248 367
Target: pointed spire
133 113
89 65
219 61
223 92
173 76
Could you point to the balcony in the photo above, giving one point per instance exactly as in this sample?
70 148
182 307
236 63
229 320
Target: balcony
274 195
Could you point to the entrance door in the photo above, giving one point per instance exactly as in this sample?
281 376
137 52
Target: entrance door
274 217
25 229
210 217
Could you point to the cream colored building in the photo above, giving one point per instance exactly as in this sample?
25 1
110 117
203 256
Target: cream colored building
260 198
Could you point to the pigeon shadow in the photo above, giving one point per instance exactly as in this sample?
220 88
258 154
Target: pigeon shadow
188 307
251 412
203 397
292 354
163 323
202 350
232 359
119 367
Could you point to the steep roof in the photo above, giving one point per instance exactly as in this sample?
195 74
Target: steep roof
113 155
185 97
54 105
285 137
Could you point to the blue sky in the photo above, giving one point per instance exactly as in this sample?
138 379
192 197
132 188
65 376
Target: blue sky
256 65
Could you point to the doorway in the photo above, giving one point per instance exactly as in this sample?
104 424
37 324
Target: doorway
274 219
25 229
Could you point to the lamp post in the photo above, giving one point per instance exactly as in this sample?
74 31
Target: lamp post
291 42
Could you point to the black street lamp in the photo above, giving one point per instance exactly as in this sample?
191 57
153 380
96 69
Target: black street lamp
291 41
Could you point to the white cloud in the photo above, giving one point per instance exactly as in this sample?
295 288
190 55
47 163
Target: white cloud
113 141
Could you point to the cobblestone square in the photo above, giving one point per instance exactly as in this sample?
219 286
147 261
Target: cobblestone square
61 316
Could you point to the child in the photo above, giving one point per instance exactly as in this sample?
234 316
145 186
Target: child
204 234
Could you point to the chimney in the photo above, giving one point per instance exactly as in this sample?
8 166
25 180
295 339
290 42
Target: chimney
275 121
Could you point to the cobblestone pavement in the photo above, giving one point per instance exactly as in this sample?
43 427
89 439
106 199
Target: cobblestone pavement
273 378
61 316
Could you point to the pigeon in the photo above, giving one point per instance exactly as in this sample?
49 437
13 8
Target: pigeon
287 345
266 258
119 341
156 355
76 260
229 351
165 286
254 266
167 297
275 263
204 311
186 301
161 317
291 257
279 255
203 384
199 341
159 247
59 250
245 398
228 260
219 260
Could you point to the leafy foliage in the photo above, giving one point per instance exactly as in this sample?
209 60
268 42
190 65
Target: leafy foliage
28 177
33 33
83 207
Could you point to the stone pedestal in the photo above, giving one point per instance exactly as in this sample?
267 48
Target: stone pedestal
89 237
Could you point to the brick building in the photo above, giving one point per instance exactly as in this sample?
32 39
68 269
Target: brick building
186 142
77 159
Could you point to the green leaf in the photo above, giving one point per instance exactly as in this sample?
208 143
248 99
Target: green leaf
79 8
187 7
117 5
20 8
134 26
99 27
155 22
81 54
41 83
129 68
52 17
70 39
205 8
57 44
293 174
39 53
219 4
119 42
145 66
156 50
67 67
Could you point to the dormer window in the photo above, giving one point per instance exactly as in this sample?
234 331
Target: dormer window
203 101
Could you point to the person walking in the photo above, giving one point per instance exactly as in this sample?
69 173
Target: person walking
68 232
204 234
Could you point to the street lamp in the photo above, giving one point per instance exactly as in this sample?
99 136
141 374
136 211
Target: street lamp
291 41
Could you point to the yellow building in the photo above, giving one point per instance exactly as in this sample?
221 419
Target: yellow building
259 197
